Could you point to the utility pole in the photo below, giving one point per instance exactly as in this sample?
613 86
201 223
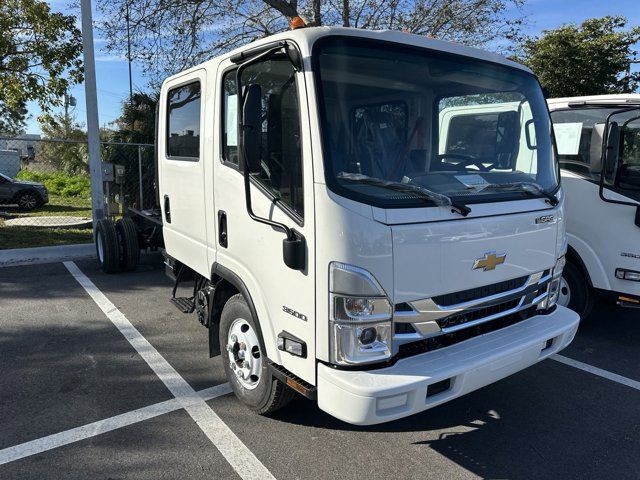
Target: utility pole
69 100
129 55
93 127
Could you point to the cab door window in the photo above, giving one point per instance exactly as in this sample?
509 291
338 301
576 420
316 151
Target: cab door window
281 155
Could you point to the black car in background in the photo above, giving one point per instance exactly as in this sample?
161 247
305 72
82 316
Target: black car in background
27 195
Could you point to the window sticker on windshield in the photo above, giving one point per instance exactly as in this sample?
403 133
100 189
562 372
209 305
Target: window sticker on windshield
472 181
568 137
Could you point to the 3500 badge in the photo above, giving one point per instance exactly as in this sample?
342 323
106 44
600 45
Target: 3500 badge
290 311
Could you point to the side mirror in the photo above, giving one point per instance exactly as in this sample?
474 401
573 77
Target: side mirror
612 150
251 129
294 251
507 130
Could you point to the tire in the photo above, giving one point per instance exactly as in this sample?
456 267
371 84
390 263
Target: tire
575 292
128 242
264 394
107 246
28 200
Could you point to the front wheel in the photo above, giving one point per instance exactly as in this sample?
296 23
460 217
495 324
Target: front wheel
27 201
245 362
575 292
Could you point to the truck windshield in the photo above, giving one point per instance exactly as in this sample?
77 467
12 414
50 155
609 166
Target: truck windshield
447 124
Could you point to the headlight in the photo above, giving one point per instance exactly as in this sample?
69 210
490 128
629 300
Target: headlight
360 317
553 290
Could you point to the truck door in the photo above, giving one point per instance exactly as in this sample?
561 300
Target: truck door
181 170
283 192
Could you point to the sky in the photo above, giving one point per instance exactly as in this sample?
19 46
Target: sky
112 71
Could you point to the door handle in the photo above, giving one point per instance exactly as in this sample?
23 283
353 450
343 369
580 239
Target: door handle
167 209
223 238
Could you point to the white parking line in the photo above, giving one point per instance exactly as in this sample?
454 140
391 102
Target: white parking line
243 461
614 377
56 440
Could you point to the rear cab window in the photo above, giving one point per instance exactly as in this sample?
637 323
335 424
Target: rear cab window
183 122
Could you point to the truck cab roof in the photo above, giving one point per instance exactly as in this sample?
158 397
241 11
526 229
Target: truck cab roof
306 37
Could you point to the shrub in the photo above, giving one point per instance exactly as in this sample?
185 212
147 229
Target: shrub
58 183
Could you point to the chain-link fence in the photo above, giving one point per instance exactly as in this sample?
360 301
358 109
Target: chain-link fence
45 193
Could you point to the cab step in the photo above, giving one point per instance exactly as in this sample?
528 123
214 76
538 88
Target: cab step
184 304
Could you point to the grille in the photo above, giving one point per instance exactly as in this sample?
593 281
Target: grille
479 292
442 341
470 316
404 328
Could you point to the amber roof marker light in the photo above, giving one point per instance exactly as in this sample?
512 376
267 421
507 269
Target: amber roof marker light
297 22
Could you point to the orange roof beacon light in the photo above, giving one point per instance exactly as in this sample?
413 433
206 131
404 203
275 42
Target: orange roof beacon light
297 22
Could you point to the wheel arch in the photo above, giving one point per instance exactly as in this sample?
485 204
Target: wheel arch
227 283
574 257
33 191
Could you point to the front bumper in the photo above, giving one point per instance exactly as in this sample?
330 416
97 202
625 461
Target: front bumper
376 396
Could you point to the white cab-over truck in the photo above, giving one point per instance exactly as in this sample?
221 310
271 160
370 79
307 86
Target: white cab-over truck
598 141
341 244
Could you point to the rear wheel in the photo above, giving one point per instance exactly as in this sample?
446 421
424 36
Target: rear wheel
129 247
107 246
575 292
27 200
245 362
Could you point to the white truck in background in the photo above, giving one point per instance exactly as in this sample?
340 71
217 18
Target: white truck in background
336 247
598 141
9 163
490 130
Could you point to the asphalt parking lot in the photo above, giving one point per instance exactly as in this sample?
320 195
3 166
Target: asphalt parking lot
85 395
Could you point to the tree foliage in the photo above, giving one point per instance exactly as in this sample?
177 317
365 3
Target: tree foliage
136 124
39 53
592 58
171 35
12 120
69 157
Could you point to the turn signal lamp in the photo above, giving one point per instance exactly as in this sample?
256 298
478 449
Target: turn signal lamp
553 290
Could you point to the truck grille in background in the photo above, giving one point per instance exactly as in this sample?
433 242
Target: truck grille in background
479 292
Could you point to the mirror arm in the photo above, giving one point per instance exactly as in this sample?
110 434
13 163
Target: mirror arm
247 196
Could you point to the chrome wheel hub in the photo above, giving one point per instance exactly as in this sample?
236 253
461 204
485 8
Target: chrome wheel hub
28 201
564 295
245 357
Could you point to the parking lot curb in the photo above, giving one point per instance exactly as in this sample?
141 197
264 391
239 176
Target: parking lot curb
32 256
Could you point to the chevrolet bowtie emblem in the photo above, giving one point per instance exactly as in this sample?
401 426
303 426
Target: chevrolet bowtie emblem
490 261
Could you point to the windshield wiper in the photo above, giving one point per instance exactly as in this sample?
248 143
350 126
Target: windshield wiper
420 192
529 187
